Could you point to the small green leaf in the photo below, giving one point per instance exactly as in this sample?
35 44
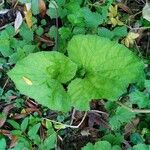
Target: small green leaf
136 138
33 131
2 144
147 85
39 31
113 139
141 147
35 6
49 143
120 31
140 98
121 116
24 124
92 19
14 124
53 32
64 32
104 32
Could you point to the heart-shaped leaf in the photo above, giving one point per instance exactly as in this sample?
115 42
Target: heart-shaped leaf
105 69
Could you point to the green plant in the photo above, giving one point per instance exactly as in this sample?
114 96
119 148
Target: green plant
90 71
101 145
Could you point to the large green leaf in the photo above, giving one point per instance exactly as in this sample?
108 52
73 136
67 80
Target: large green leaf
105 69
40 75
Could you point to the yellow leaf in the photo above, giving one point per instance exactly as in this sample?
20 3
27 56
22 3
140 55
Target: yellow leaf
113 21
113 10
28 15
27 81
120 23
132 35
126 42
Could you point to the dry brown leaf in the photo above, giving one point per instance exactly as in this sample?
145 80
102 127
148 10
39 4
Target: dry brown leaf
42 7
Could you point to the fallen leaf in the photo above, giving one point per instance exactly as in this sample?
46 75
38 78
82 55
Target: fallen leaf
28 14
27 81
146 11
129 40
18 21
42 7
3 115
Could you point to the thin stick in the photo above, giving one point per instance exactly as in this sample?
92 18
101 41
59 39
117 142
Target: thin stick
145 111
69 126
72 116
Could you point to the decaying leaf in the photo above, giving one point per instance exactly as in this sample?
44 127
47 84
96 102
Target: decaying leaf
146 11
18 21
42 7
113 16
28 14
129 40
28 81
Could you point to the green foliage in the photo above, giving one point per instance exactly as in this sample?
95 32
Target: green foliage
113 139
101 145
140 147
121 116
2 143
136 138
55 68
92 19
16 49
97 59
140 98
95 67
46 71
116 33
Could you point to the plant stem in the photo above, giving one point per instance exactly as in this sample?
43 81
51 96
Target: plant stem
69 126
145 111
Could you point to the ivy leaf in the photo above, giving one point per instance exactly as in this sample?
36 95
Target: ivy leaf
121 116
46 71
105 69
102 145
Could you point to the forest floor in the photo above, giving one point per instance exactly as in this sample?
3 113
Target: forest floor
46 25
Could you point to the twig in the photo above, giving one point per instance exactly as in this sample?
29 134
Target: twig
134 110
5 84
138 28
72 116
69 126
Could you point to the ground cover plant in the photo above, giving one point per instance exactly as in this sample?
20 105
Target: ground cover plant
74 75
